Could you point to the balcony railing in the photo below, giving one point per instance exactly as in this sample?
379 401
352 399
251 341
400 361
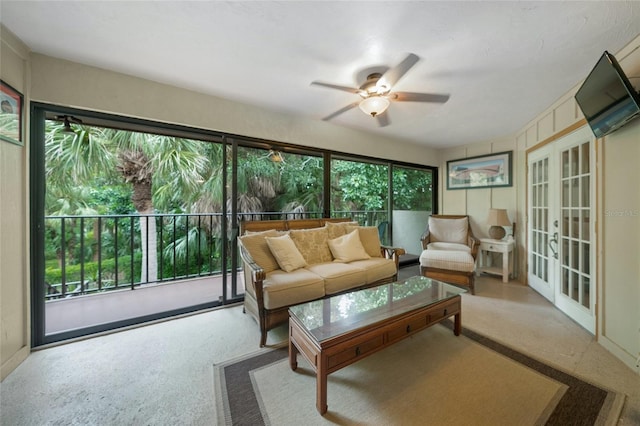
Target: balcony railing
98 253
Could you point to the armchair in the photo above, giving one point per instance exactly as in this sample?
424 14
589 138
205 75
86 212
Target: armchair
449 250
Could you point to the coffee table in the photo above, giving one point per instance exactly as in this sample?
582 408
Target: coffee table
337 331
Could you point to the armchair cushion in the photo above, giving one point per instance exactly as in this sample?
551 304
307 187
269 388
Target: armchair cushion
449 246
448 230
448 260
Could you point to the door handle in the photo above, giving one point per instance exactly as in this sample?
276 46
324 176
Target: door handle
551 247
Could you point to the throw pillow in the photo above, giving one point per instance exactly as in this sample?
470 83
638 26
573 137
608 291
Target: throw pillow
312 244
348 248
286 253
338 229
256 244
370 239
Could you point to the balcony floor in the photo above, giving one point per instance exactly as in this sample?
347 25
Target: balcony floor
90 310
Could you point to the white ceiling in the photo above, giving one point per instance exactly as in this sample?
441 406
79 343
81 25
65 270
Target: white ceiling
502 62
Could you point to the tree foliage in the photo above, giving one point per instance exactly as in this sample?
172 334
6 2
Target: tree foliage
103 171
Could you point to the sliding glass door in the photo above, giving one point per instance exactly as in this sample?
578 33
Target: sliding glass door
130 226
135 220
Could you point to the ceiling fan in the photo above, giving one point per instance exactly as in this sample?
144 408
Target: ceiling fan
376 92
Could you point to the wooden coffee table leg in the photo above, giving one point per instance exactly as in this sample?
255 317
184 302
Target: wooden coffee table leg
457 323
293 353
321 386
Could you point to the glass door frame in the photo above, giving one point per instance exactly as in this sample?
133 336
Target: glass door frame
38 115
554 150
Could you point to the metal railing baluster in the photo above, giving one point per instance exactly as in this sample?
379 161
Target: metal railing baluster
63 255
131 252
107 238
81 256
116 253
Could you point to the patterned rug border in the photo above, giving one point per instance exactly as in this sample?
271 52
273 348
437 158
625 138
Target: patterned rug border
244 408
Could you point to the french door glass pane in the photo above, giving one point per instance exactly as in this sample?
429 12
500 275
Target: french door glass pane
575 247
539 211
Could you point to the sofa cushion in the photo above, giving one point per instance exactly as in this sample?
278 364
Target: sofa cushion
370 238
376 268
449 230
290 288
449 246
347 248
448 260
257 246
286 253
338 229
339 276
313 244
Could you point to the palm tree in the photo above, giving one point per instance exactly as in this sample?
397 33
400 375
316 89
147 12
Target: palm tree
171 174
163 169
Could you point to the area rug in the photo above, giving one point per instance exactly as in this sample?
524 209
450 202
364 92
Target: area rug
431 378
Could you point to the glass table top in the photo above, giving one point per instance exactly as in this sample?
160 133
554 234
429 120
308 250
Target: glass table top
330 317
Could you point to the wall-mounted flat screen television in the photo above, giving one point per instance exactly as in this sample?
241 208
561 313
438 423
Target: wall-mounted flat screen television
607 98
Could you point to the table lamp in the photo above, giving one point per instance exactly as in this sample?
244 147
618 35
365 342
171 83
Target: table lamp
497 219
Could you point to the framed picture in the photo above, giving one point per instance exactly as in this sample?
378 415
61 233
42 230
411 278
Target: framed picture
10 114
484 171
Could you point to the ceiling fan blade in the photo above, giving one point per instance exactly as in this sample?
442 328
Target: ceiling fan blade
419 97
391 77
383 119
340 111
336 86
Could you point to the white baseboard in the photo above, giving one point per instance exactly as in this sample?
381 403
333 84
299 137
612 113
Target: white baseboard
13 362
620 353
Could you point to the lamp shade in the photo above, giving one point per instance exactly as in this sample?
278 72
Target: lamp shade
497 219
374 105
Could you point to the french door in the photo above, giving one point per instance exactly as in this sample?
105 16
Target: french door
561 244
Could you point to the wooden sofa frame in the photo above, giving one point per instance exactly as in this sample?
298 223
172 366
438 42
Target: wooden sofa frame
254 275
447 275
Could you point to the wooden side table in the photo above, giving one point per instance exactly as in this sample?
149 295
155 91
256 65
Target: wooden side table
487 246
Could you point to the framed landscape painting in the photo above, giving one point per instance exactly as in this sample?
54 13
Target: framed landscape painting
10 114
484 171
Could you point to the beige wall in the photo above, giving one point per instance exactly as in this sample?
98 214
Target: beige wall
618 208
14 225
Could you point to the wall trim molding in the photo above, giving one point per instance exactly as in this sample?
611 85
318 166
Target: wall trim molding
620 353
13 362
558 135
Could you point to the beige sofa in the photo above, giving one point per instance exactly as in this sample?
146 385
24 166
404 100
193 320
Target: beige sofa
287 262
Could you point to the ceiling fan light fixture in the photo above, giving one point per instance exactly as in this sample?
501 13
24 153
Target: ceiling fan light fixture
374 105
